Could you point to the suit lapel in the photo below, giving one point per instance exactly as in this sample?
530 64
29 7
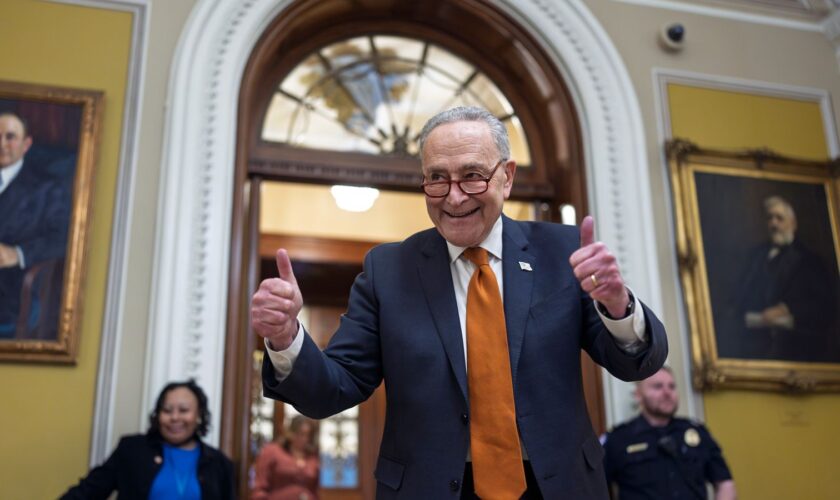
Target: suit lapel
436 277
518 283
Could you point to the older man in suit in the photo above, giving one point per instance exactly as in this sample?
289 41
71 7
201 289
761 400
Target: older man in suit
476 328
33 227
788 307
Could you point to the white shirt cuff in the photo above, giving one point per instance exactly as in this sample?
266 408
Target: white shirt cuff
629 332
283 361
21 260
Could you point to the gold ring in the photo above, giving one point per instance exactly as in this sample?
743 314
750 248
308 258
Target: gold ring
593 279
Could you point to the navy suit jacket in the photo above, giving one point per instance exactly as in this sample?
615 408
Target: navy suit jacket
35 216
402 326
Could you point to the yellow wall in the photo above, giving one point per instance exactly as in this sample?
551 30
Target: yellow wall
734 120
46 410
778 446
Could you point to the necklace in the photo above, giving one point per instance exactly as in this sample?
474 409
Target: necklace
180 467
180 483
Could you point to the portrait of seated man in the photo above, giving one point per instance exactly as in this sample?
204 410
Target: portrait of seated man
33 231
786 305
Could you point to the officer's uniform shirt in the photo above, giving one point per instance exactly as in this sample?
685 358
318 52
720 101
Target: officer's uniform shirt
674 461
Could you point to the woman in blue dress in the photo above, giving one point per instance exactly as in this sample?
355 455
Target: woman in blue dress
170 461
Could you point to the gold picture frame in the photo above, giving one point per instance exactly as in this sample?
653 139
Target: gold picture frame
47 211
759 263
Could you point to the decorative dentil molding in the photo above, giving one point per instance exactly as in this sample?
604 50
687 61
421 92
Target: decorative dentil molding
189 286
831 28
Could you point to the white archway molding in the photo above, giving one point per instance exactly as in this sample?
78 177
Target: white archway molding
189 289
186 334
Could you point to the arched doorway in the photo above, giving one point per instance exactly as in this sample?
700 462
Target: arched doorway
539 109
199 273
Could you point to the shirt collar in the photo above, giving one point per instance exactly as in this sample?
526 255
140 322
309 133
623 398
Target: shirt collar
493 243
9 173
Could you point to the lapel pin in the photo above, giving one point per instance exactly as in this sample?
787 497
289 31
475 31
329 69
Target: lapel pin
525 266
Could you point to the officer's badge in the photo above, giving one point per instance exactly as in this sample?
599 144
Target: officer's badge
691 437
633 448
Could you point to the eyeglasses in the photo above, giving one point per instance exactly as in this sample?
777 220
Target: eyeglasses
472 185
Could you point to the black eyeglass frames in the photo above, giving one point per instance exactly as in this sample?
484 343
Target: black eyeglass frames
439 189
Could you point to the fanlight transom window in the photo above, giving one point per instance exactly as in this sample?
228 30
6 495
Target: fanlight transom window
373 94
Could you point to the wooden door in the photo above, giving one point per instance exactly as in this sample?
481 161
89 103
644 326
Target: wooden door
325 270
323 321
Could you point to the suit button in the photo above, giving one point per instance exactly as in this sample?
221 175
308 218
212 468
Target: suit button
454 485
465 418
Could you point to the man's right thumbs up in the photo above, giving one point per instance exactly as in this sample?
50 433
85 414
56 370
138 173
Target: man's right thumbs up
284 266
587 231
276 305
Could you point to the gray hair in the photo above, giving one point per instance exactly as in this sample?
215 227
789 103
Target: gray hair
468 114
772 201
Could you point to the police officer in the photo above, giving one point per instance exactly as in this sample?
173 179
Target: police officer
657 455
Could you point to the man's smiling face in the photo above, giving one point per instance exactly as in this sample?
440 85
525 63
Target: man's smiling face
459 151
14 142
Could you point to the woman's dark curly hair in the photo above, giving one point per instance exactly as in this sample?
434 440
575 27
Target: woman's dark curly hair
203 411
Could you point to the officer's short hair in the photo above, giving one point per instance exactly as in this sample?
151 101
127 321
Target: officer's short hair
664 367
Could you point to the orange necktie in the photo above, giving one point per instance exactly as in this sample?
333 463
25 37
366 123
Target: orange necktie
494 440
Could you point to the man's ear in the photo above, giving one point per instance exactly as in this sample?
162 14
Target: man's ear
636 395
510 173
27 143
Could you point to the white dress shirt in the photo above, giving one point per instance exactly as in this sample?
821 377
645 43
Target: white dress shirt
7 175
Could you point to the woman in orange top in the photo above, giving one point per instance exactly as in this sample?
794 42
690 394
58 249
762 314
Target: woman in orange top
289 471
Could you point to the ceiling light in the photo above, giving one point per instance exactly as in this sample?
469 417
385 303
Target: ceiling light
353 198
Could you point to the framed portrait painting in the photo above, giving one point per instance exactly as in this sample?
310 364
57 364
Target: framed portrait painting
48 150
757 239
